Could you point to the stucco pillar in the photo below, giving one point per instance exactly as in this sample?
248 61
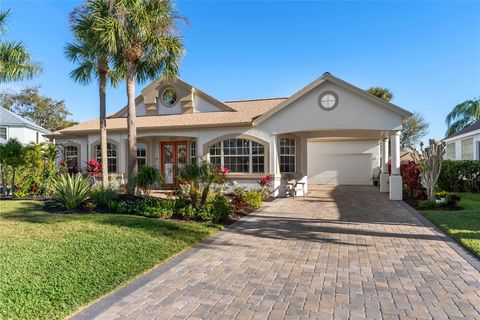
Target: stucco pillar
278 189
396 191
384 176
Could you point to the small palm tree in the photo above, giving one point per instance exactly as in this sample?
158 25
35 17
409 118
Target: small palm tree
93 62
143 34
15 61
463 115
382 93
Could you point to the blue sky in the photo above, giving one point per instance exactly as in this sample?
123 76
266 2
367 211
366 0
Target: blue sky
427 53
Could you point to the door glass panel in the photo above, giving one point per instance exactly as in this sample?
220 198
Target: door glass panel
168 163
181 156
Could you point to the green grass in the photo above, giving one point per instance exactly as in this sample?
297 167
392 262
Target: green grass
464 225
53 264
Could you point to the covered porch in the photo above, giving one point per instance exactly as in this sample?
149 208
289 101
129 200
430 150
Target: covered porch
338 157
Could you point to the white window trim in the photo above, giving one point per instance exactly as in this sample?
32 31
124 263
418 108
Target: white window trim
117 150
250 155
6 131
294 155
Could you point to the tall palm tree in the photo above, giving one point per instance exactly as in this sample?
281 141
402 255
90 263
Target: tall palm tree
15 61
93 62
144 35
463 115
382 93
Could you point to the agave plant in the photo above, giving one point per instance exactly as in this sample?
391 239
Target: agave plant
71 190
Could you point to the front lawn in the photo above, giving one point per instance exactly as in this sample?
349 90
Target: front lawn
53 264
463 225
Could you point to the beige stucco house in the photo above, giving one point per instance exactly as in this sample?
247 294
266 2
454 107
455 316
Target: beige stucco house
329 132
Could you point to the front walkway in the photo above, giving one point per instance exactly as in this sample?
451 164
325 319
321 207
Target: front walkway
345 251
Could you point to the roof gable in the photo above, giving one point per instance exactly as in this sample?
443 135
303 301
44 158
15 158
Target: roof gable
7 117
328 77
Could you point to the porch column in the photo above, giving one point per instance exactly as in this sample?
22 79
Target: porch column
396 192
278 190
384 176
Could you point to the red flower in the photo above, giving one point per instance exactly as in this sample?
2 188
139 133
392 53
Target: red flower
224 170
94 168
265 180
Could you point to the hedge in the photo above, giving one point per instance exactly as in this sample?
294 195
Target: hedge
460 176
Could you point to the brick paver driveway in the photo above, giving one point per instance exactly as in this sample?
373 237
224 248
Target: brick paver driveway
345 252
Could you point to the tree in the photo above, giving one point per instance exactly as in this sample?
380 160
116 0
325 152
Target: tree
15 61
382 93
463 115
93 61
429 160
12 157
29 103
414 129
143 35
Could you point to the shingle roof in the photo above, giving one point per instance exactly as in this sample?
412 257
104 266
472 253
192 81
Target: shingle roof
9 118
470 128
245 112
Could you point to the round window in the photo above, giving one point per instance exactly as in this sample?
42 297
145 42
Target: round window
169 97
328 100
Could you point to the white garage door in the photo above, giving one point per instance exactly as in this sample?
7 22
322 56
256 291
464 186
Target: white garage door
338 168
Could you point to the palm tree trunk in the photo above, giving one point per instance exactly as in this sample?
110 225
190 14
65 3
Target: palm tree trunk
4 181
132 127
103 127
12 187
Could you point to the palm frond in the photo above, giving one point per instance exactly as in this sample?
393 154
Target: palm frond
16 63
462 115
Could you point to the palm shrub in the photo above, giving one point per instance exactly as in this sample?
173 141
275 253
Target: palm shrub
146 177
71 190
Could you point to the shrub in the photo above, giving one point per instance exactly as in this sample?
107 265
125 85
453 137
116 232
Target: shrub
411 177
452 200
220 210
94 168
187 212
71 191
154 208
427 204
102 196
252 199
460 176
89 206
146 177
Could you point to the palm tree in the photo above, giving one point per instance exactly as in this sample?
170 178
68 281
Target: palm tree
93 62
382 93
15 61
144 35
463 115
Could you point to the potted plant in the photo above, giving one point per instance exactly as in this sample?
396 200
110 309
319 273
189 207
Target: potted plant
440 196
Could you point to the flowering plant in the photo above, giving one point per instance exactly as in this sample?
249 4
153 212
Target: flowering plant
94 168
265 180
224 170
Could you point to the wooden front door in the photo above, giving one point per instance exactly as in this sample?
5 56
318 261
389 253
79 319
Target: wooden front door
174 159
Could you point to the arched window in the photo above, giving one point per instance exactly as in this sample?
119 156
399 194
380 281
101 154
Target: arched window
287 155
111 156
71 156
239 155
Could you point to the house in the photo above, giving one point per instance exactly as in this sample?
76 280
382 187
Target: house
14 126
329 132
464 144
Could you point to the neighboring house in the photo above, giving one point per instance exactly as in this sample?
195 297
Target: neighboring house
464 144
14 126
329 132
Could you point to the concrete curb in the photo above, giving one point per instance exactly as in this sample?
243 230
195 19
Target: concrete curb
458 248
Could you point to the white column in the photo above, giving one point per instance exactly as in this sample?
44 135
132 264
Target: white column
384 176
396 191
278 188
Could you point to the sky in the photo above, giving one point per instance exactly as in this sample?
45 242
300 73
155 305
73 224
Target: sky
427 53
